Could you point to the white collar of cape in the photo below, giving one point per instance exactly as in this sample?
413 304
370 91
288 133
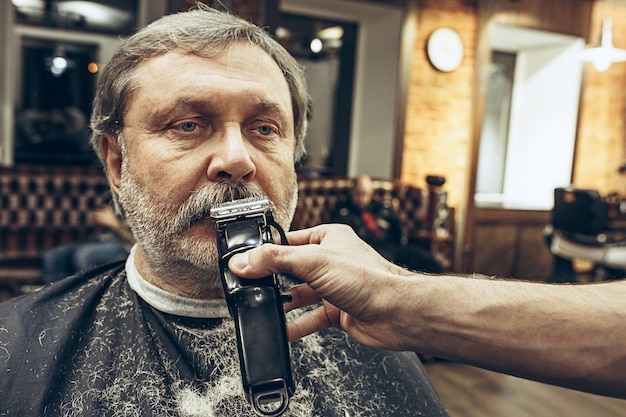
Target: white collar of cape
167 302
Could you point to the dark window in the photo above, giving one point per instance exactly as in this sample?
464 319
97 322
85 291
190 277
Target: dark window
52 118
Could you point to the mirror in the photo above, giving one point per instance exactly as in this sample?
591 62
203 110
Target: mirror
52 51
528 132
326 49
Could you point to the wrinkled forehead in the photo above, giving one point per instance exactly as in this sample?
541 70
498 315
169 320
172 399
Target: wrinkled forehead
234 55
243 70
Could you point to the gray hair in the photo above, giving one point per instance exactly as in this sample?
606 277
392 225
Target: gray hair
202 31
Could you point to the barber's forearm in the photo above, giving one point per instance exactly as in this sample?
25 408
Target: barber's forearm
572 336
564 334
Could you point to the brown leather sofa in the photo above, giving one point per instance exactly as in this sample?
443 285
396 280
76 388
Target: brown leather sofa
430 222
40 208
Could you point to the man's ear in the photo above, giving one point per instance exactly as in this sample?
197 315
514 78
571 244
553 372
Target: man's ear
112 156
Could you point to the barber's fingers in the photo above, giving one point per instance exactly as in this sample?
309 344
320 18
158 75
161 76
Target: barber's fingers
330 235
304 257
301 260
269 259
311 321
301 295
312 235
265 260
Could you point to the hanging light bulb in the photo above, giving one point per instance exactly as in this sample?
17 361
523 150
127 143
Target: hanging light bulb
58 63
605 54
316 45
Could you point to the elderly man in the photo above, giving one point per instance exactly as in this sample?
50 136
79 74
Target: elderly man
197 109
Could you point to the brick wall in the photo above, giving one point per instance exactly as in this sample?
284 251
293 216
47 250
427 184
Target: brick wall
602 122
438 123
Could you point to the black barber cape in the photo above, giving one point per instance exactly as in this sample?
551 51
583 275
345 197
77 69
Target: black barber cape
90 346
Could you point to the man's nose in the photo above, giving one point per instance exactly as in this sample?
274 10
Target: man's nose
231 161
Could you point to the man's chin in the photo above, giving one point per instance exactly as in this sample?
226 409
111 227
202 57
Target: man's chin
203 232
194 250
200 251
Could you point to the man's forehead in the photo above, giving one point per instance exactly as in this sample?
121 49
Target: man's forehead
240 61
220 52
193 81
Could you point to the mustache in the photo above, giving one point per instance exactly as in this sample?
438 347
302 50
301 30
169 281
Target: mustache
198 206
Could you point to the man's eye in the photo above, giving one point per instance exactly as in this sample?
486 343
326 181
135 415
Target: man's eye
188 126
265 130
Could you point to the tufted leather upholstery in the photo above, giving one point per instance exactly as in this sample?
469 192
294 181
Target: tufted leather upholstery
40 208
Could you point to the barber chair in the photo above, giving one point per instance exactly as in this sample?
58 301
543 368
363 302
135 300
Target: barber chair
582 229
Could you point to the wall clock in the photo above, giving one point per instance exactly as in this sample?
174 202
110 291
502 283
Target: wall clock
445 49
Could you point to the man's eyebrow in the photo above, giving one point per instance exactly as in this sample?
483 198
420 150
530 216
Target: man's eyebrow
260 107
165 109
266 107
191 103
282 114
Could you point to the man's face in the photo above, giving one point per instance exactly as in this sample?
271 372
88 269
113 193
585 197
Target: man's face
199 131
362 194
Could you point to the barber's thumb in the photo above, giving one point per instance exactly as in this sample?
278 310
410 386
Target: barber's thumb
247 265
239 262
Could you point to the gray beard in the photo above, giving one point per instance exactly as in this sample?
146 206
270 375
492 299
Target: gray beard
162 230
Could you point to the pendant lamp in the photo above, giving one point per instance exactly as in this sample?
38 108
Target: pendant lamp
605 54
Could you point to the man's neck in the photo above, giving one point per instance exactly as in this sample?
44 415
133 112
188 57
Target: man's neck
169 302
181 279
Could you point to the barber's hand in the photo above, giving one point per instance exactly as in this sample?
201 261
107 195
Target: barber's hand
360 290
